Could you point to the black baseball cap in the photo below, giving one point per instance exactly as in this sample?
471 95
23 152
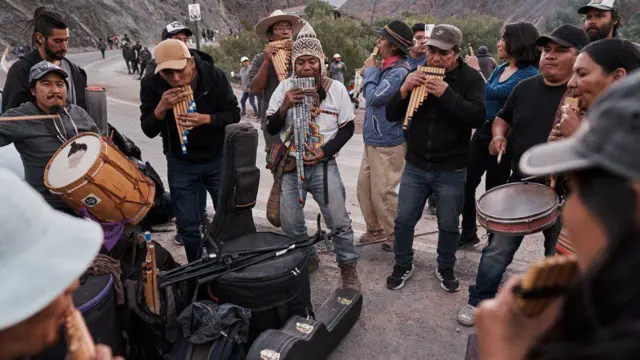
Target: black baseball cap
605 5
566 35
175 28
607 138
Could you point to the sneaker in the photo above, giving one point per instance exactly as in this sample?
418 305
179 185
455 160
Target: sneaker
399 276
243 114
469 239
467 315
372 236
349 274
314 263
178 240
448 280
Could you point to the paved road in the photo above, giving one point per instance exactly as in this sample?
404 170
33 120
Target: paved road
417 322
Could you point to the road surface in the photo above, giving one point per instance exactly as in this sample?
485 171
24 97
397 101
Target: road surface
416 322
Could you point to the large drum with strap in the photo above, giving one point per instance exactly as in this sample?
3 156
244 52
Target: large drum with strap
90 173
518 209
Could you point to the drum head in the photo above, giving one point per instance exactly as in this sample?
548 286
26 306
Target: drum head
517 201
74 160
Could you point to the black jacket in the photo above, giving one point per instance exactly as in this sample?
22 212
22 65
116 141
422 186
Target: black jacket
16 88
213 96
438 137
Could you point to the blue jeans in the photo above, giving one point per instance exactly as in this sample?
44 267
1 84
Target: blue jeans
497 255
416 186
185 181
243 102
335 212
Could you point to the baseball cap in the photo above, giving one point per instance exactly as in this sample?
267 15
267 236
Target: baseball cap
607 138
42 250
335 56
243 59
566 35
606 5
445 37
41 69
174 28
171 54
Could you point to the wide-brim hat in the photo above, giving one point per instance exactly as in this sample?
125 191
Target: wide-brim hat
399 34
263 25
42 251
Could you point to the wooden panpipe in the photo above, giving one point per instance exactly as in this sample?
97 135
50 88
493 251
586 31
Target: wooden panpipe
419 94
150 277
471 53
282 57
186 106
80 344
544 282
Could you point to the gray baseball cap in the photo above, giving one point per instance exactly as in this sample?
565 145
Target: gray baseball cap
445 37
606 5
608 138
39 70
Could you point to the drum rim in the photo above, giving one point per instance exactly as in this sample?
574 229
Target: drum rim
546 212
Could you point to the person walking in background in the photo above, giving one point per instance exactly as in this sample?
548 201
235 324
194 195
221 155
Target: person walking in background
246 88
102 46
337 68
486 62
110 41
129 56
145 58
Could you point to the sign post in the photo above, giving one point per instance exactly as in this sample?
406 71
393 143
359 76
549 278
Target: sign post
195 16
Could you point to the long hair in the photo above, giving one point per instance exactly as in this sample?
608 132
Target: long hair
601 314
44 21
612 54
520 38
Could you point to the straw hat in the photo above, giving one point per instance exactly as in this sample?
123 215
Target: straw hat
278 15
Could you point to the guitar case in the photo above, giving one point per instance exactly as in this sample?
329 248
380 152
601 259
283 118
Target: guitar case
311 339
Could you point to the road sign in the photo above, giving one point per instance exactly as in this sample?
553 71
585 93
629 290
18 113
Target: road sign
194 12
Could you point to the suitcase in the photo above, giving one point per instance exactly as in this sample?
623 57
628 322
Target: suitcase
308 339
96 300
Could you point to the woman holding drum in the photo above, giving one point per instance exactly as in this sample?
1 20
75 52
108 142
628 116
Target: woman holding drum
597 316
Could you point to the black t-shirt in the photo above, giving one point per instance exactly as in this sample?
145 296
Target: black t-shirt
530 110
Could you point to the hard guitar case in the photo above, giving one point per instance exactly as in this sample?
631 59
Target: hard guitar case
308 339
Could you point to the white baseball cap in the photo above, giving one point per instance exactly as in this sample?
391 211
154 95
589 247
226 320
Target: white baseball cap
42 250
243 59
335 56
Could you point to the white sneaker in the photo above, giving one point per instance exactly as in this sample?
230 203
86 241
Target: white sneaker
467 315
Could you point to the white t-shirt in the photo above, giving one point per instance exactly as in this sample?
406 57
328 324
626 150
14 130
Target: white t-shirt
337 111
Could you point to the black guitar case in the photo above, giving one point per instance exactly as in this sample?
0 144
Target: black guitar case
308 339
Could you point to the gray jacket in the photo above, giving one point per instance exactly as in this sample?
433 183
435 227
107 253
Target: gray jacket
244 79
38 140
336 71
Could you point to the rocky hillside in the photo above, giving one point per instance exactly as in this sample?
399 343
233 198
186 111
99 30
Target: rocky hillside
527 10
140 19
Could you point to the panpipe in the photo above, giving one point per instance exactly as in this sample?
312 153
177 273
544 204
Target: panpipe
80 344
302 115
419 94
187 106
471 53
282 57
544 282
375 52
150 277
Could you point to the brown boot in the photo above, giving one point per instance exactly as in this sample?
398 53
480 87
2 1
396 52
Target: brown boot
349 275
314 263
372 236
389 244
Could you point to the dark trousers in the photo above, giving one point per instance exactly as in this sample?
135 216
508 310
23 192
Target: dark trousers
497 256
143 66
186 180
102 52
243 102
416 186
480 161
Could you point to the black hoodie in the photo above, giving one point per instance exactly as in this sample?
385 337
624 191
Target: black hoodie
16 88
213 96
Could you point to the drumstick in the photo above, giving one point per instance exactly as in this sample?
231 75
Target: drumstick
500 156
29 117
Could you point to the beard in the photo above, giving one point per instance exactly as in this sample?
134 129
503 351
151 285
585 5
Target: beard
599 33
53 55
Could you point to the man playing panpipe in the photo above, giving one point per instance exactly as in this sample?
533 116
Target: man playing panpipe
384 143
262 73
597 317
437 152
216 106
38 140
529 113
43 254
329 131
51 39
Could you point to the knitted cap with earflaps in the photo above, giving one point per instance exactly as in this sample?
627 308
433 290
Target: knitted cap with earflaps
307 44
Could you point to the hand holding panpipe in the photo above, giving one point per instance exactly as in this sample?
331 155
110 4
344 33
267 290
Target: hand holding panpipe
419 93
282 58
79 341
544 282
